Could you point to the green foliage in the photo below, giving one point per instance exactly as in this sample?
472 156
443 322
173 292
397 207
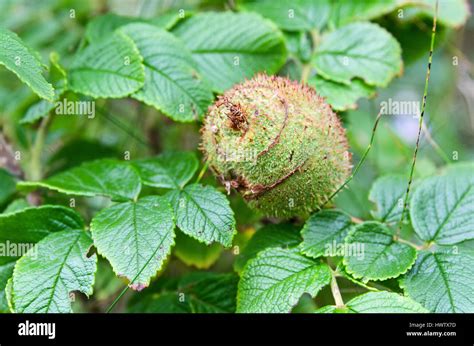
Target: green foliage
135 237
442 281
172 83
378 302
229 47
276 279
90 207
203 213
441 209
382 256
61 267
361 50
18 58
322 230
119 71
114 179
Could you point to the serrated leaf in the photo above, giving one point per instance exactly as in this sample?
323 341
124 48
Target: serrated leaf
172 83
229 47
197 292
42 108
297 15
442 207
169 171
37 111
102 26
362 50
378 302
344 12
203 213
7 186
42 283
111 68
324 231
280 235
110 178
375 254
135 237
193 253
20 230
341 96
442 282
387 193
16 57
384 302
275 280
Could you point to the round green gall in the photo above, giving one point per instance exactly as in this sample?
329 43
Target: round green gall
278 143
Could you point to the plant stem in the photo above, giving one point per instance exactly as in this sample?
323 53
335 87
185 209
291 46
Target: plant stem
305 73
420 123
36 170
361 161
203 170
336 293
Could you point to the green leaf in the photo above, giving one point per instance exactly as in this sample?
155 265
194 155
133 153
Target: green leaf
110 68
7 186
111 178
193 253
379 302
16 205
37 111
442 282
387 193
169 171
297 15
42 108
33 224
384 302
197 292
229 47
345 12
362 50
373 254
172 83
442 207
453 13
16 57
43 282
203 213
280 235
102 26
323 231
20 230
135 237
341 96
275 280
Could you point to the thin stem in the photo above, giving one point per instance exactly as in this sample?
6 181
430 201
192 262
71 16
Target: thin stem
36 169
336 292
361 161
420 123
305 73
404 241
435 145
203 170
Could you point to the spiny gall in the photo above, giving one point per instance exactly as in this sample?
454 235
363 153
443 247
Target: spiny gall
278 143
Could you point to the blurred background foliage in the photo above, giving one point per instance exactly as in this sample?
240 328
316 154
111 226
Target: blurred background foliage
127 126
